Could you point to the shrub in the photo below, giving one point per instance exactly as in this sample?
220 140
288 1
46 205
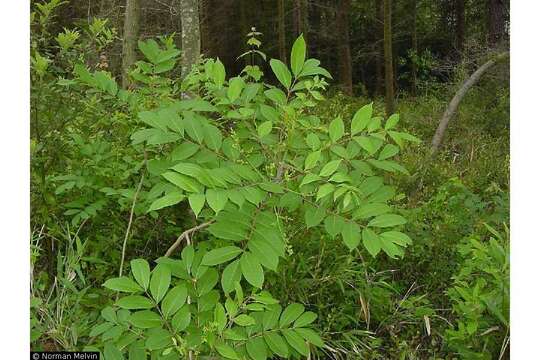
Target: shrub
251 162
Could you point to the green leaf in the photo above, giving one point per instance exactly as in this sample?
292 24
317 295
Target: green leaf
351 235
217 199
387 220
184 151
391 122
207 282
158 339
276 344
160 281
236 85
244 320
366 144
145 319
181 319
196 201
252 269
220 317
330 168
136 351
212 137
296 341
141 272
230 276
110 352
371 241
135 302
290 314
256 348
312 159
314 216
123 284
311 336
371 209
361 118
100 329
221 255
309 178
218 73
264 129
336 129
313 141
170 199
396 237
324 190
282 73
174 300
388 151
226 351
374 124
305 319
276 95
269 113
271 317
184 182
298 55
193 127
333 224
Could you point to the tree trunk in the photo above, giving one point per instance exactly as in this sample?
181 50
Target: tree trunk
191 37
460 26
452 107
281 31
379 19
414 47
204 25
344 48
496 21
301 18
131 36
388 59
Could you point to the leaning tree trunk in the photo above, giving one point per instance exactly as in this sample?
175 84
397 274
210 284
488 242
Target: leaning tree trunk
191 37
344 47
131 35
452 107
388 59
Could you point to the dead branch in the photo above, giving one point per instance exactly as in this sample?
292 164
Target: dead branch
185 235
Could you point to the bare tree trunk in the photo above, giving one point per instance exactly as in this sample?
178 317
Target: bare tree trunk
301 18
379 18
496 21
460 26
344 47
191 37
414 46
131 36
452 107
388 59
281 31
204 25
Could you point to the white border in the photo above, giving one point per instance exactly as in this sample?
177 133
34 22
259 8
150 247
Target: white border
15 175
525 171
525 165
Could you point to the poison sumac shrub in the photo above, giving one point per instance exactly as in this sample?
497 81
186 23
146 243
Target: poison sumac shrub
251 161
